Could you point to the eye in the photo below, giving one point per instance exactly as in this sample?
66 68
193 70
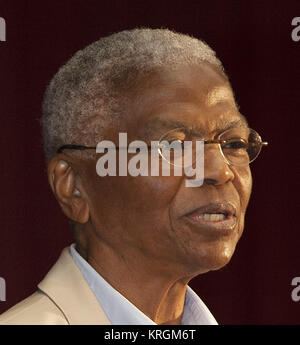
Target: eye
175 144
174 139
235 144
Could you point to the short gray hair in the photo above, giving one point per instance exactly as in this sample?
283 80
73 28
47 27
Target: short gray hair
90 83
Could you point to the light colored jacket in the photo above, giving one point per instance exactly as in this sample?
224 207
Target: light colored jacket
63 298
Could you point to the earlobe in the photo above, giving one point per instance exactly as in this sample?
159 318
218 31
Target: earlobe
62 180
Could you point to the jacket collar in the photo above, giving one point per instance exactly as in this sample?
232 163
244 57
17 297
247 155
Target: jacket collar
66 287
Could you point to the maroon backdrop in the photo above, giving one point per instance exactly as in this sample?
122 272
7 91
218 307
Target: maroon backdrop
253 39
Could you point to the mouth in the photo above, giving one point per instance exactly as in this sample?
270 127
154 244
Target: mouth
214 216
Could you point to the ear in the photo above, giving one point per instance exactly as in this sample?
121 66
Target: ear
64 185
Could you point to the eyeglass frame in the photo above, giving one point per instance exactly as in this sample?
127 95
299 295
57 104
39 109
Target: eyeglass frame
211 141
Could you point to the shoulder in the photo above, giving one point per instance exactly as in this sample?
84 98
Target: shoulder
63 297
37 309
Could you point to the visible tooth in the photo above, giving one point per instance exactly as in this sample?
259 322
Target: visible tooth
212 216
206 216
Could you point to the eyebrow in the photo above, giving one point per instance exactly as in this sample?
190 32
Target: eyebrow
222 126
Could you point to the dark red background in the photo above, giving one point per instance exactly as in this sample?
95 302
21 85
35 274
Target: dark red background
253 39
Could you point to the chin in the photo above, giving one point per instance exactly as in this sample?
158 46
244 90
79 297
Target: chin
215 257
221 262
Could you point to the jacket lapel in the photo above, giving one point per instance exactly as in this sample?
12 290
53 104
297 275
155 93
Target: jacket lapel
66 287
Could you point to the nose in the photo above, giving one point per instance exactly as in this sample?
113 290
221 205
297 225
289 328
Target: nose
216 169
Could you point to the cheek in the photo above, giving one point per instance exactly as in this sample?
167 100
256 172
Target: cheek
136 212
151 195
133 201
243 185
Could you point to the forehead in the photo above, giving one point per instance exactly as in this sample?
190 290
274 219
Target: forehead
198 97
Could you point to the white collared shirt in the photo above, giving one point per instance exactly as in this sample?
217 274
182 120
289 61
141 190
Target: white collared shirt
120 311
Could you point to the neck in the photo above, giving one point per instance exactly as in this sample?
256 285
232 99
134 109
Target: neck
153 288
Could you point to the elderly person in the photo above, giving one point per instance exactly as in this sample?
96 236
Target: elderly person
139 240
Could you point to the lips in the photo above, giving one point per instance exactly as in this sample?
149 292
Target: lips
226 209
214 217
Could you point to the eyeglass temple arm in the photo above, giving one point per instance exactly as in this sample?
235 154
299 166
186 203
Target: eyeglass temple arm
82 147
74 147
217 141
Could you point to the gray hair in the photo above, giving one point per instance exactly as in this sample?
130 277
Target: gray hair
90 84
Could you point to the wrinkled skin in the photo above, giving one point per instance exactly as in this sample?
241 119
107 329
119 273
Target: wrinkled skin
134 230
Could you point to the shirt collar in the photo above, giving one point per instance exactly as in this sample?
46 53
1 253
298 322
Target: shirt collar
120 311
